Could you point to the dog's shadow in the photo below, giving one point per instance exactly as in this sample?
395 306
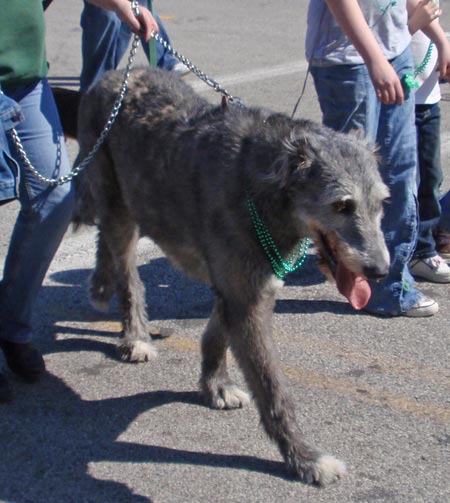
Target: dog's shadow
64 434
170 294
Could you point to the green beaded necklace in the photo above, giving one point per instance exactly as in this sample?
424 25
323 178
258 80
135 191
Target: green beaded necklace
280 267
409 79
385 8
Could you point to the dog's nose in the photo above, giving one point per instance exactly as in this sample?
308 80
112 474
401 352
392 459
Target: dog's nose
377 271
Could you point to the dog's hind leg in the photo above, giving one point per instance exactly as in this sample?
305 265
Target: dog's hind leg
102 281
249 330
120 235
217 388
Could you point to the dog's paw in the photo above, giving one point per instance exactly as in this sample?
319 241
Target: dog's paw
137 351
322 471
228 396
330 469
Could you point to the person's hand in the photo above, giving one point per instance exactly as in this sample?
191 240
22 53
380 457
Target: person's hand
143 25
423 14
386 82
443 66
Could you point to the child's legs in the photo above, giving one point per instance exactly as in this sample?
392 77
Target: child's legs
397 143
428 120
348 101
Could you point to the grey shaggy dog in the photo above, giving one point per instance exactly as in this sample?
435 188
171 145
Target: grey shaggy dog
182 171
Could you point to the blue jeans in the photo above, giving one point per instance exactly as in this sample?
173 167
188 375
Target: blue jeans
10 116
444 221
105 40
44 214
348 101
428 125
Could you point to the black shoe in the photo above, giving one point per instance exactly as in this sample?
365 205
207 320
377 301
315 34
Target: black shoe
23 359
6 391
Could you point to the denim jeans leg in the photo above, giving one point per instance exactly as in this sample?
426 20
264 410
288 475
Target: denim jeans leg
428 121
104 41
44 214
398 149
164 59
348 101
444 202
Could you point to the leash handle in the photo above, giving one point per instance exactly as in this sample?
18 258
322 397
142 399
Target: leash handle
152 41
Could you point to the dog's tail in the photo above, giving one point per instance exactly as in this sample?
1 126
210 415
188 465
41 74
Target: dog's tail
68 104
85 212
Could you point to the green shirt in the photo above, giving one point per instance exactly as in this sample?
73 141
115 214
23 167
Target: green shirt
22 42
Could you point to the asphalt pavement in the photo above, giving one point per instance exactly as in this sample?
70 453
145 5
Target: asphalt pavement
374 392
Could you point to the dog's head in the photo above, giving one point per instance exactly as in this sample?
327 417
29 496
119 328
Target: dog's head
336 197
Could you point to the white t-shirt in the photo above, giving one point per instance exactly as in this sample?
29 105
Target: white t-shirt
429 91
326 44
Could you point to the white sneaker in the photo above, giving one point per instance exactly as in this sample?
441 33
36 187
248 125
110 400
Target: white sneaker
434 269
180 69
422 309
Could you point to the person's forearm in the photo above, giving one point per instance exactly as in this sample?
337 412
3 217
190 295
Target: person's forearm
107 4
350 18
421 13
436 34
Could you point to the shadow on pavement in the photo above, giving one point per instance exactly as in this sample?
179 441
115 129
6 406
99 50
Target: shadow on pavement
172 295
50 436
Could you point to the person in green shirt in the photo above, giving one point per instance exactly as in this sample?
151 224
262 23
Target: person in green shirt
27 104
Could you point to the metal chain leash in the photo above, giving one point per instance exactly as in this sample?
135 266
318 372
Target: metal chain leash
112 118
197 72
117 105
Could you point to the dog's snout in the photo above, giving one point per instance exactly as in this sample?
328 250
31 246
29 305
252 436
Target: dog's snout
376 271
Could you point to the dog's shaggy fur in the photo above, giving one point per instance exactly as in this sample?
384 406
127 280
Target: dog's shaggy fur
180 170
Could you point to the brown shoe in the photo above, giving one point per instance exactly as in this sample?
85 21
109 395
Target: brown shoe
23 359
442 238
6 391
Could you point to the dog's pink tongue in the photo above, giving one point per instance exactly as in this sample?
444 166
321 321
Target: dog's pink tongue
355 288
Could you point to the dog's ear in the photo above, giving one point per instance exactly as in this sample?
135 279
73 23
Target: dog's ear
296 155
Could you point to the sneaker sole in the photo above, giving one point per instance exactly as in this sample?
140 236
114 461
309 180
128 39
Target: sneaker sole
434 279
422 312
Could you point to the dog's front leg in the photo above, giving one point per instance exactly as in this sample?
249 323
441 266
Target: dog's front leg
218 389
249 330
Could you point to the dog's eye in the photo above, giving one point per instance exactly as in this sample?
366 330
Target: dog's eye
344 206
